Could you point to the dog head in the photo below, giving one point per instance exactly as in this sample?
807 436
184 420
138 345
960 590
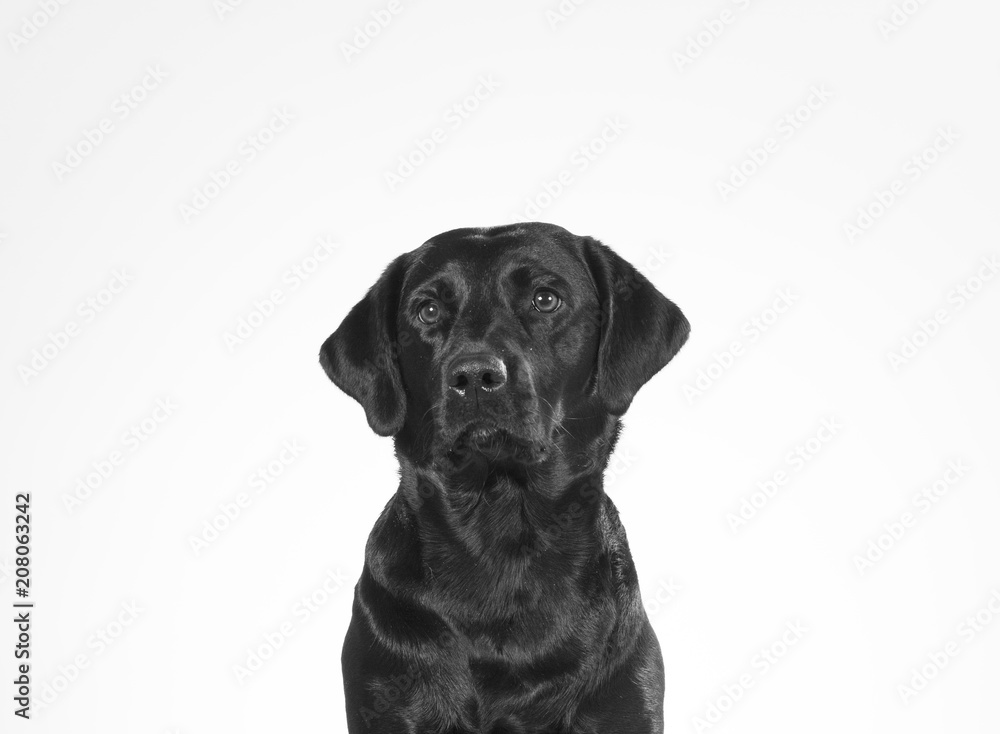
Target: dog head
505 343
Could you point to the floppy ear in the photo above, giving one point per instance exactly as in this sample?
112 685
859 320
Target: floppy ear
641 329
360 356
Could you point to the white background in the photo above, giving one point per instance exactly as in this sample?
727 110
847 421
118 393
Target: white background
716 594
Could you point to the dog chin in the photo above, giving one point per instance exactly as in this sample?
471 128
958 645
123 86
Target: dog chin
494 443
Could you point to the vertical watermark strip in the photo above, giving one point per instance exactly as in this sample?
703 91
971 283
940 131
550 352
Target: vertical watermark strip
23 605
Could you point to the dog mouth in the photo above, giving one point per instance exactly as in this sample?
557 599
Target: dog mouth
495 443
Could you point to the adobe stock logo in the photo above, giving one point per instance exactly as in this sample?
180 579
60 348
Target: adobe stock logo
796 459
305 607
761 664
87 310
562 12
752 330
229 511
968 631
899 17
247 151
893 531
454 116
366 33
585 156
32 24
927 329
786 127
886 198
103 468
711 30
47 692
92 138
252 320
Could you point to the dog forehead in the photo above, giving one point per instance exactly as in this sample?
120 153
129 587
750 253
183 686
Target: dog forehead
492 255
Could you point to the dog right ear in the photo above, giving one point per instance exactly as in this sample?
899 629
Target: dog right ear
641 329
360 356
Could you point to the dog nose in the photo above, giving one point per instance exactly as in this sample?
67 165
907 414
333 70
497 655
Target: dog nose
482 371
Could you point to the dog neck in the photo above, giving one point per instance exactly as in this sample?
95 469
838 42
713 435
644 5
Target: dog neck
520 525
485 503
521 529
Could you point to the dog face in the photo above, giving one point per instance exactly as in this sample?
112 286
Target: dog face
507 343
502 341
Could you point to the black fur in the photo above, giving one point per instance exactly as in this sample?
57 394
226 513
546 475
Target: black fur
498 593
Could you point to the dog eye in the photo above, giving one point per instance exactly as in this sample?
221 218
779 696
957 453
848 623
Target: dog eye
430 312
545 301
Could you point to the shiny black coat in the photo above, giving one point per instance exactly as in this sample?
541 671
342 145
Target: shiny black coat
498 593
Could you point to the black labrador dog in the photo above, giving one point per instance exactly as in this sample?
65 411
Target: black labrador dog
498 592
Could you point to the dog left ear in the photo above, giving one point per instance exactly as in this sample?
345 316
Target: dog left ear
641 329
360 356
